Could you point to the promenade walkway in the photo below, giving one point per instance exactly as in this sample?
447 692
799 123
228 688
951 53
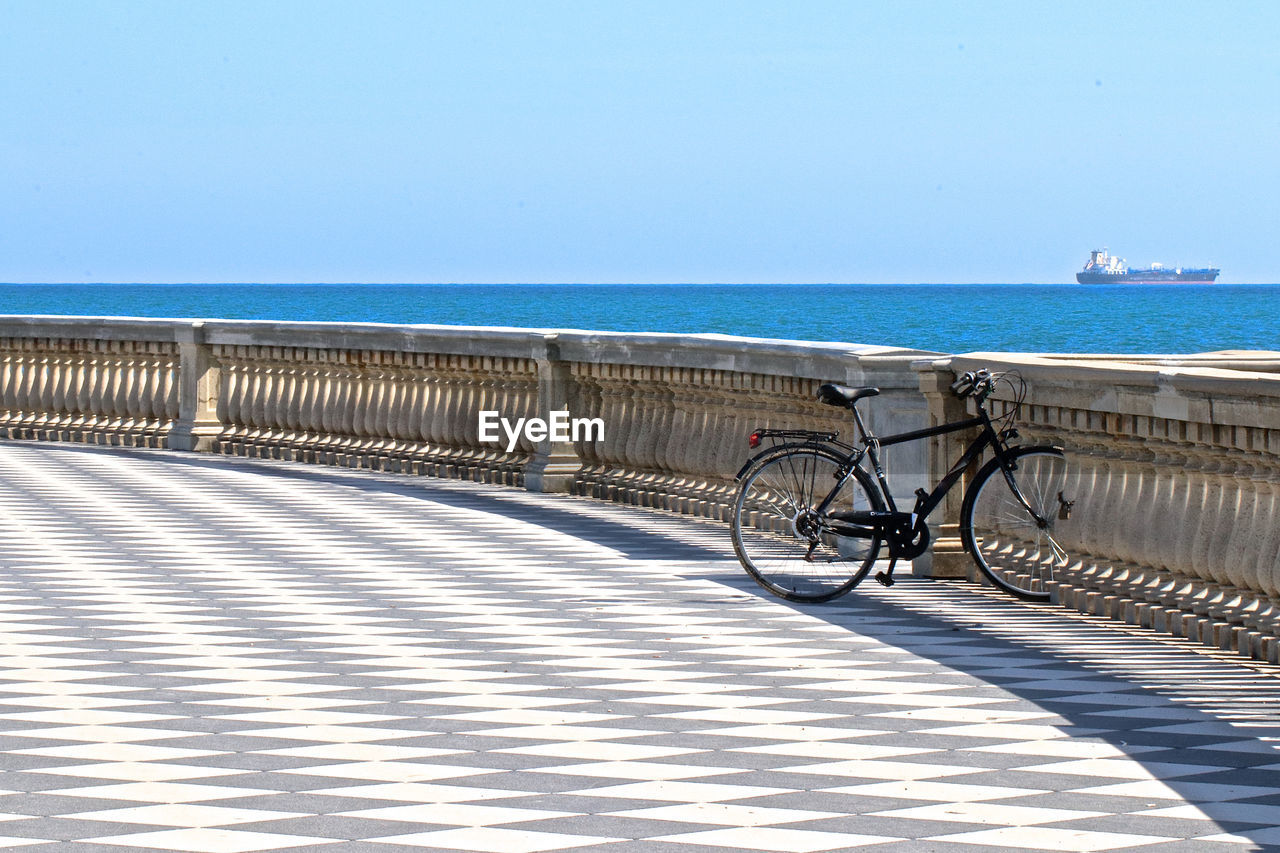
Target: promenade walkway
212 654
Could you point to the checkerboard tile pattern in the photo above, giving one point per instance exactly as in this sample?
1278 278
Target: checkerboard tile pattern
211 654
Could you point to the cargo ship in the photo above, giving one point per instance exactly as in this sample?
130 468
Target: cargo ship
1103 268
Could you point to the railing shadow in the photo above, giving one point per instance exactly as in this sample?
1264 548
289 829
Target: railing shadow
586 520
1201 724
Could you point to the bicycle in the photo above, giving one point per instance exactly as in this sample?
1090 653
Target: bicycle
809 520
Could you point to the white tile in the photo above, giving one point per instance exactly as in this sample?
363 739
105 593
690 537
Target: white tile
362 752
1200 792
676 791
1000 814
879 769
567 733
455 814
641 770
1048 838
212 841
1064 749
794 732
1259 813
749 716
1117 768
1004 731
834 749
84 716
140 771
183 814
328 734
419 792
493 840
598 750
162 792
1255 838
729 814
391 771
960 715
299 712
530 717
775 840
118 752
100 734
937 791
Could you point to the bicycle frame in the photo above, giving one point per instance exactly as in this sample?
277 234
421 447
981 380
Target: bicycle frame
906 534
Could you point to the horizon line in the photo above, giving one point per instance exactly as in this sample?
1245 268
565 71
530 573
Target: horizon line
283 283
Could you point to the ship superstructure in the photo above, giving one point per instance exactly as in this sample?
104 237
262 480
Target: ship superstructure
1105 268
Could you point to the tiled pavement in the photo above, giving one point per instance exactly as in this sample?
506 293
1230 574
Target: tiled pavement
209 654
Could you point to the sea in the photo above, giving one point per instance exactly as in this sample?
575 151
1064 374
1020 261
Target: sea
949 318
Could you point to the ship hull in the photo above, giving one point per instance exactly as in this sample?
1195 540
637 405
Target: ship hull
1149 277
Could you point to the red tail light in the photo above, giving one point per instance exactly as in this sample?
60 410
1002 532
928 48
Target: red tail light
754 439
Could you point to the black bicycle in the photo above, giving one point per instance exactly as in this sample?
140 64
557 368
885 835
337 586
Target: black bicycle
809 519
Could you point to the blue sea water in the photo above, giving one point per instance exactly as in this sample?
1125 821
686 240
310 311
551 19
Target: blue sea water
941 317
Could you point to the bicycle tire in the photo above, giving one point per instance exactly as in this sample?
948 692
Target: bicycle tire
782 544
1010 549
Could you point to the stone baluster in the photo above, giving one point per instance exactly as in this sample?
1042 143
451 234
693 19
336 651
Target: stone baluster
254 400
1210 507
22 398
1242 539
323 418
270 371
116 395
231 400
84 415
56 406
1262 574
343 397
311 416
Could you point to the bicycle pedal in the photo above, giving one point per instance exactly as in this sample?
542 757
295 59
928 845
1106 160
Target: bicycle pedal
884 578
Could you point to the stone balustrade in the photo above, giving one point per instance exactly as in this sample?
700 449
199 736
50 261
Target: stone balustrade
115 384
675 409
1175 469
1176 458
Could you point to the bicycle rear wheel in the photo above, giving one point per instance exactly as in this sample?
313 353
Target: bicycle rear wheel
784 543
1011 548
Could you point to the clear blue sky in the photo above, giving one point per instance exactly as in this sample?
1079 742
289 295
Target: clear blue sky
651 142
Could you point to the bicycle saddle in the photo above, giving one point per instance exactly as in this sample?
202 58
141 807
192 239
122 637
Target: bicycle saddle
842 395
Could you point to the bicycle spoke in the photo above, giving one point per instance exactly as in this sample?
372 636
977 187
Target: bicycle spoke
1011 547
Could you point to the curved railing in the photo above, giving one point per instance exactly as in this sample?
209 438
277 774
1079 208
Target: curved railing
1177 458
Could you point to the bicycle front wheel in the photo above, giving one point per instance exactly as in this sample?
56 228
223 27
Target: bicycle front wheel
1014 550
784 543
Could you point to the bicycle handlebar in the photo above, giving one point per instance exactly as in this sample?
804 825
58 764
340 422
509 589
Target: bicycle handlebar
974 383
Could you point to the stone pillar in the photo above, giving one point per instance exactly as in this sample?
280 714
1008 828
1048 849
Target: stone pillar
555 464
946 557
199 378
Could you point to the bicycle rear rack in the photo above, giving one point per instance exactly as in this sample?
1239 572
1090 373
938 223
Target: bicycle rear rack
762 433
